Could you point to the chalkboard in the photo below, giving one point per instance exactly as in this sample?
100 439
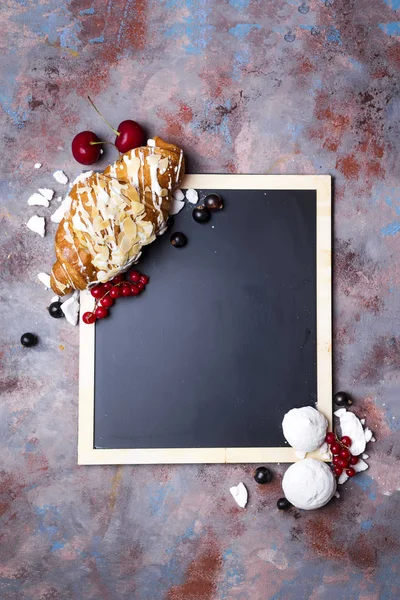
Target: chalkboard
224 340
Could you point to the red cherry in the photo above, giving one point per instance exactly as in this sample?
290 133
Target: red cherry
135 276
117 279
83 149
346 441
354 460
126 290
101 312
144 279
350 472
98 291
330 438
342 462
130 135
338 471
140 285
345 454
335 448
115 292
107 301
89 318
135 291
336 460
107 286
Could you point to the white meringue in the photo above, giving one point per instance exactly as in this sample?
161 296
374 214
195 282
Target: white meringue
309 484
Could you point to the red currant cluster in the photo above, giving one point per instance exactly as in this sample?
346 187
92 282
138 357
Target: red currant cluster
342 457
107 293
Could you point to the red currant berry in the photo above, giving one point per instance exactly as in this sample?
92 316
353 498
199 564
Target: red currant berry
346 441
345 454
117 279
350 472
107 301
98 291
335 460
88 318
140 286
101 312
135 291
342 462
126 290
135 276
335 448
354 460
144 279
338 471
107 286
330 438
115 292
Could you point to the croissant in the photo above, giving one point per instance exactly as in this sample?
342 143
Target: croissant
113 214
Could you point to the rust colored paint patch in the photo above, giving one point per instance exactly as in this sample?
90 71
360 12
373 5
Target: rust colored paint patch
201 575
319 532
363 553
349 166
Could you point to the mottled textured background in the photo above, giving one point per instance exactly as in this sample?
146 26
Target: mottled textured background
244 86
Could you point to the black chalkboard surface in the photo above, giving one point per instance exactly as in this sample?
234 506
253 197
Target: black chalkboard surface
224 339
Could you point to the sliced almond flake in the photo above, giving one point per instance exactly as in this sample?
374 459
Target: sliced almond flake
125 244
137 208
129 227
164 192
104 253
163 165
147 189
132 193
153 159
97 221
102 276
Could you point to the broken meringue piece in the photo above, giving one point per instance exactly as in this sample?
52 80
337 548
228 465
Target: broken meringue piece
47 193
37 165
342 478
368 435
240 494
37 199
61 177
37 225
179 195
45 279
176 207
58 214
192 196
70 309
351 427
360 466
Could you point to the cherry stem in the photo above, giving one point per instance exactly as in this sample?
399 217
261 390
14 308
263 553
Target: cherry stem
104 119
111 143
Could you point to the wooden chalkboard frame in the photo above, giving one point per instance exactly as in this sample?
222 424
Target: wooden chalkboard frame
87 454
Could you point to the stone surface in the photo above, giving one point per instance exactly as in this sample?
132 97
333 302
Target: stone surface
244 86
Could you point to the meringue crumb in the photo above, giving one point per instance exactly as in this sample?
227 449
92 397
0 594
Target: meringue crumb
37 199
192 196
47 193
179 195
61 177
240 494
37 165
45 279
37 225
